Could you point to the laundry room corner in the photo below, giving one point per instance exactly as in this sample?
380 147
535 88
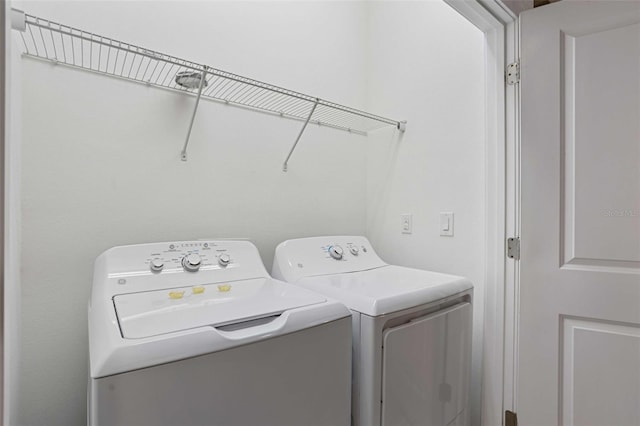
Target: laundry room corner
435 59
97 155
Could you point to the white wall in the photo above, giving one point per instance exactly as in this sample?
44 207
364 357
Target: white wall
11 332
518 6
426 65
101 161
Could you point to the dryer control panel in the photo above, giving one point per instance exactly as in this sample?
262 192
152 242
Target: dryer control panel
306 257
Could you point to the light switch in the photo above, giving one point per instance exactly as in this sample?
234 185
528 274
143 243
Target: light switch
446 224
406 223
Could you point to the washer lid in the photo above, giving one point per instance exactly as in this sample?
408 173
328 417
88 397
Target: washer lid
151 313
386 289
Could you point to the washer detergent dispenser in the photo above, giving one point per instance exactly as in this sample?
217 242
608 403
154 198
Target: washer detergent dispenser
411 330
196 332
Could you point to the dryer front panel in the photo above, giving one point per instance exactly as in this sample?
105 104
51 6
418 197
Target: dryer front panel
425 368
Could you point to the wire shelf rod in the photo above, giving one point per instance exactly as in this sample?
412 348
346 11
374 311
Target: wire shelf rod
291 107
196 67
252 92
189 93
280 101
105 41
301 109
62 44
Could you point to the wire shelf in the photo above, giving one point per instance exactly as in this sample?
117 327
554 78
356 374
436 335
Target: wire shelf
44 39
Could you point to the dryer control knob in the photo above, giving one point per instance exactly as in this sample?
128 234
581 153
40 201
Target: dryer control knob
224 259
336 252
156 265
191 262
354 250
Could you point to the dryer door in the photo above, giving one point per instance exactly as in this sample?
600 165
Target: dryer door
425 369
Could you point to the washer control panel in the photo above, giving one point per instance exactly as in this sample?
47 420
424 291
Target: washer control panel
157 265
335 251
224 259
190 256
191 262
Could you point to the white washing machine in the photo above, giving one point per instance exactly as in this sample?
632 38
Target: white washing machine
197 333
411 330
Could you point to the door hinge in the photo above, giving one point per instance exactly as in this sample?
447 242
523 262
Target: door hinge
512 74
510 418
513 248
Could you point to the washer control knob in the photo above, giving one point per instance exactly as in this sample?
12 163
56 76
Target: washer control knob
224 259
156 265
336 252
354 250
191 262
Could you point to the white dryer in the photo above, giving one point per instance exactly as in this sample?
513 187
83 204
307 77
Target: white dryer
197 333
411 330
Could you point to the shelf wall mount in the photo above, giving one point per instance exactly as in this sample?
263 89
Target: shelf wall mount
203 82
64 45
304 126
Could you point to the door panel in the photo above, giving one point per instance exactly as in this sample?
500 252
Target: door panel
601 150
578 341
604 360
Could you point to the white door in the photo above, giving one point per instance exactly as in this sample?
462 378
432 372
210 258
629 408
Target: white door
579 330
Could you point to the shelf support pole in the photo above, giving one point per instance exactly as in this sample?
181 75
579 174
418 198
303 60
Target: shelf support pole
315 104
183 154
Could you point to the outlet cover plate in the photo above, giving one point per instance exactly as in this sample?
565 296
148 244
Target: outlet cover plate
446 224
406 223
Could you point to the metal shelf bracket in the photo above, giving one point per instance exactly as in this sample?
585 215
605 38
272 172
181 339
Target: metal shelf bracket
203 79
304 126
18 20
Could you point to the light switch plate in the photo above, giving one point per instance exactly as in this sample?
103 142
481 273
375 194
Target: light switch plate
406 223
446 224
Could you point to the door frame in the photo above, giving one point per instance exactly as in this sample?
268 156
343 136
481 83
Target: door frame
10 233
3 109
502 151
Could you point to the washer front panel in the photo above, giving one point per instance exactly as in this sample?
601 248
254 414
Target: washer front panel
158 312
148 307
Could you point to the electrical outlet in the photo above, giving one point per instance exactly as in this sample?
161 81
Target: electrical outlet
406 223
